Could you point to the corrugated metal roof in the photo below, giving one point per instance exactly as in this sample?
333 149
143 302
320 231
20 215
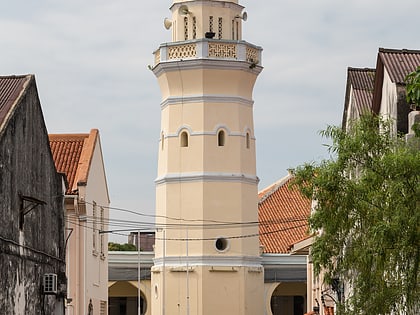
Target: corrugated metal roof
11 88
362 81
399 62
283 214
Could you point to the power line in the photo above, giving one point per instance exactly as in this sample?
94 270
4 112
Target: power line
142 224
215 223
119 232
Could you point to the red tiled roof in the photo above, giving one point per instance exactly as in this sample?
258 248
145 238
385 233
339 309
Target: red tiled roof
11 88
72 155
283 214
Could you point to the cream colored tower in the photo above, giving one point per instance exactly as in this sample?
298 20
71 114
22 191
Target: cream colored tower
207 249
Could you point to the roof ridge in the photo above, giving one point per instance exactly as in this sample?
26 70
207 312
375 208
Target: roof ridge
361 69
269 190
16 76
399 51
67 136
85 160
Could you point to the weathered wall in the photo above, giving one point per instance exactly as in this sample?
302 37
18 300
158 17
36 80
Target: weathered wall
27 168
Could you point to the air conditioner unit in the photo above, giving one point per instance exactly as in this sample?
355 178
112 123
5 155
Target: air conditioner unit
50 283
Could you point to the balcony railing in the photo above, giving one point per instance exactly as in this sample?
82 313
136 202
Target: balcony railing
209 49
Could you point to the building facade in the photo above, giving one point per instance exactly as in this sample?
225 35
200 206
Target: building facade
207 249
380 91
79 157
32 252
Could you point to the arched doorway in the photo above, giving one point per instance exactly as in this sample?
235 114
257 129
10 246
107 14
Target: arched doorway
289 298
123 299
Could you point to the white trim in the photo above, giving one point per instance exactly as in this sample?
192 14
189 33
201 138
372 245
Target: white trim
191 99
207 177
208 64
237 261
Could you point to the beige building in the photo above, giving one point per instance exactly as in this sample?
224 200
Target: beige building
79 157
207 250
282 215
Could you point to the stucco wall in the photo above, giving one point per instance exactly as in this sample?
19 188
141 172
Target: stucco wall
27 168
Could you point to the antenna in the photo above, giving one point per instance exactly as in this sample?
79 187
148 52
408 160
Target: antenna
243 16
167 23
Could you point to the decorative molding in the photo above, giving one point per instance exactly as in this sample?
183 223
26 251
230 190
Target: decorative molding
206 177
212 3
202 63
213 261
191 99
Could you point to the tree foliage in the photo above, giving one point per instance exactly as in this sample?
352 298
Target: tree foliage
367 217
413 87
121 247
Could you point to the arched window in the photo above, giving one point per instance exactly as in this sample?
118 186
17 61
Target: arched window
162 140
184 139
194 27
186 28
247 140
221 138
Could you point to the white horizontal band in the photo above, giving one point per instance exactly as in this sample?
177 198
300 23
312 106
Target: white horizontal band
236 261
176 100
207 177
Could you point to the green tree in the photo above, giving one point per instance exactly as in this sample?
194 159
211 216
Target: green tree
121 247
413 87
367 217
412 81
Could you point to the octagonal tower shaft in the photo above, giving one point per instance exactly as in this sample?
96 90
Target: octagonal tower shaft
207 246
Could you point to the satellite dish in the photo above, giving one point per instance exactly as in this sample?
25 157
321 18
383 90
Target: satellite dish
243 16
167 23
183 10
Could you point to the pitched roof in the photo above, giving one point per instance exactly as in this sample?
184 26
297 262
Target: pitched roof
11 89
73 155
362 82
397 63
360 86
283 214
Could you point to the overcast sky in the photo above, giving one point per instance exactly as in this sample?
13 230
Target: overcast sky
90 59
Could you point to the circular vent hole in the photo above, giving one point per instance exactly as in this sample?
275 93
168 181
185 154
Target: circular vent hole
221 244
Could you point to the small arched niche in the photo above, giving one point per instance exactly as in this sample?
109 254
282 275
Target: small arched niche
184 139
221 138
247 141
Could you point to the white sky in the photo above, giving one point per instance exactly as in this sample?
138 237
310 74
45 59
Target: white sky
90 59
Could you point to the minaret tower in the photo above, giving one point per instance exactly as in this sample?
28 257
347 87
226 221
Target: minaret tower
207 249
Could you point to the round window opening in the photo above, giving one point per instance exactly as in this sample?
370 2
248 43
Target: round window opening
221 244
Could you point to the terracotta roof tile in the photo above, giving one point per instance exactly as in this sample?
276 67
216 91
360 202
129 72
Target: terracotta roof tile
11 88
72 155
283 214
